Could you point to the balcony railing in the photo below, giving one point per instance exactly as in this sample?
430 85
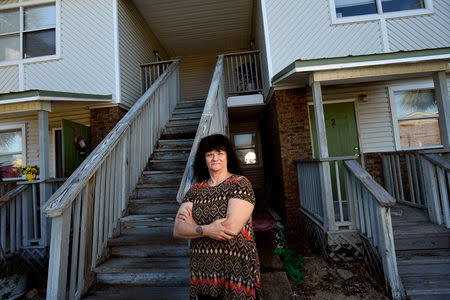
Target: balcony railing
243 73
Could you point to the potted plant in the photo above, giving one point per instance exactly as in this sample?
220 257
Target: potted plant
30 172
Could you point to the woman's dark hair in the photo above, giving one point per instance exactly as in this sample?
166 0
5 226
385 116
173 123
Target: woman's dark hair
215 142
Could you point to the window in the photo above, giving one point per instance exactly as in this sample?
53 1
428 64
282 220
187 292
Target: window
27 31
377 8
11 151
418 118
245 145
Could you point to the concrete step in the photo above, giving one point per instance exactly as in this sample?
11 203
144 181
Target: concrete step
139 207
122 292
412 236
166 165
169 178
147 191
175 143
139 245
154 271
172 154
159 224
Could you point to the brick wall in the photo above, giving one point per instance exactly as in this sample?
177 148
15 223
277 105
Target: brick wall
102 121
374 167
290 117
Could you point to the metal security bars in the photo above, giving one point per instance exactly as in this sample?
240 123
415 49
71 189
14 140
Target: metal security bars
243 73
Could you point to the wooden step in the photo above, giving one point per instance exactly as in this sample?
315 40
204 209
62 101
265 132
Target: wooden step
164 164
148 191
122 292
438 286
187 110
172 178
139 207
147 224
188 121
423 265
179 131
190 103
175 143
171 154
411 236
139 245
154 271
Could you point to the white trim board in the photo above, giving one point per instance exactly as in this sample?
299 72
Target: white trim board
48 98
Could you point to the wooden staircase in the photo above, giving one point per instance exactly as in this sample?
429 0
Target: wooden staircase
145 262
423 254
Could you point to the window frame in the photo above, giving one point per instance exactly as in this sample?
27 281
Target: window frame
380 15
21 4
257 150
22 127
407 87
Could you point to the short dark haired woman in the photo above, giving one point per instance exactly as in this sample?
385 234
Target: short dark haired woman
216 216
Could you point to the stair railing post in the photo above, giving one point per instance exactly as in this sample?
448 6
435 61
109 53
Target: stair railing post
59 255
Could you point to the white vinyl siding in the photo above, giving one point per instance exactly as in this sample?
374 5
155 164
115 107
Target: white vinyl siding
373 116
78 113
9 79
136 45
421 32
303 30
86 63
195 75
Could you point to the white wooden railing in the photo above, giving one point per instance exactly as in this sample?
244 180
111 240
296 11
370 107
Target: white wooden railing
243 73
214 120
372 217
333 211
85 211
22 223
150 72
406 187
436 170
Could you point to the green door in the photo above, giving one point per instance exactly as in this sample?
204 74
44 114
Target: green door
75 145
342 137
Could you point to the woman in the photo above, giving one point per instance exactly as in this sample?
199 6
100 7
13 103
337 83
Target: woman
216 216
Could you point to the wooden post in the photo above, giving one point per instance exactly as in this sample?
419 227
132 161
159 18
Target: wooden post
325 176
44 173
59 251
443 103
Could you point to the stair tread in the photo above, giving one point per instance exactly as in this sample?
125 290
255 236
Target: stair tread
121 292
143 264
423 257
173 150
426 285
156 186
147 216
419 229
144 239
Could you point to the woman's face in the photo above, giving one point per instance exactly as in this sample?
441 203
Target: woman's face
216 160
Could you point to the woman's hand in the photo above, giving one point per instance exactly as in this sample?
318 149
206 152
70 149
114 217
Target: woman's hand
216 230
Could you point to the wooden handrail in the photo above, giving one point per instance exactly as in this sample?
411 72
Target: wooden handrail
310 160
241 53
159 62
380 194
212 105
438 160
11 194
65 195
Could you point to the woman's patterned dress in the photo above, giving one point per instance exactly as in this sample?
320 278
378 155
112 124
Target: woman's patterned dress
223 268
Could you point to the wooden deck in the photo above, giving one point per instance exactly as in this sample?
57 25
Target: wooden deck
423 253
